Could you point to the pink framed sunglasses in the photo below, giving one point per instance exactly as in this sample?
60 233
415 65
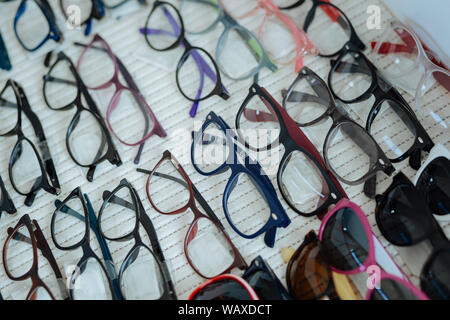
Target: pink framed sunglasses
348 244
100 68
277 43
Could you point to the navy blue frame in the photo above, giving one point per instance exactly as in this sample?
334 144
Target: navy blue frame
254 170
54 32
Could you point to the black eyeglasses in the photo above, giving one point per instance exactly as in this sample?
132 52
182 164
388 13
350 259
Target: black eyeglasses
6 204
82 12
35 24
70 230
198 77
404 219
27 170
144 273
263 280
88 140
391 121
328 28
20 258
5 63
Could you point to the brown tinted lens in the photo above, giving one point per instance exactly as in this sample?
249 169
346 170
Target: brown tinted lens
309 274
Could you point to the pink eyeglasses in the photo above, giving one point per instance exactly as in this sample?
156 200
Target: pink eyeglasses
100 69
278 32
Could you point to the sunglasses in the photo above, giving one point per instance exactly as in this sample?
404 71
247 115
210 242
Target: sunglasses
27 171
20 259
143 273
280 35
412 66
303 179
239 53
404 219
224 287
349 245
127 101
83 12
63 90
214 152
35 24
433 182
197 76
263 280
206 238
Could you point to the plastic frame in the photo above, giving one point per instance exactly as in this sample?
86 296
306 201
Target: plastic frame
250 167
37 241
54 32
293 139
22 105
111 154
144 219
303 44
119 89
5 63
6 204
239 261
371 260
142 2
203 67
230 24
251 292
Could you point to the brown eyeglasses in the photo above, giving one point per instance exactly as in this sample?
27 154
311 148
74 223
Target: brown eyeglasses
21 245
170 191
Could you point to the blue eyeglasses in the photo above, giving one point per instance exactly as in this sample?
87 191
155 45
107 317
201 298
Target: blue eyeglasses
35 24
213 152
5 64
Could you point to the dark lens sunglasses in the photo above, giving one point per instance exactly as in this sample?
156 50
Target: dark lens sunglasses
118 203
263 280
13 101
75 89
171 30
224 287
405 219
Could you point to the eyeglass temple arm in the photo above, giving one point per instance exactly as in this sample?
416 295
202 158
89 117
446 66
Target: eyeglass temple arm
7 204
5 63
46 252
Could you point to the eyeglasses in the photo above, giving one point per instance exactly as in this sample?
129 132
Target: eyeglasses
224 287
82 12
303 179
329 29
5 63
402 57
348 244
391 121
70 229
88 140
113 4
35 24
127 101
309 101
198 77
432 180
143 273
205 239
404 219
239 53
6 204
20 258
213 152
280 35
27 171
264 281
